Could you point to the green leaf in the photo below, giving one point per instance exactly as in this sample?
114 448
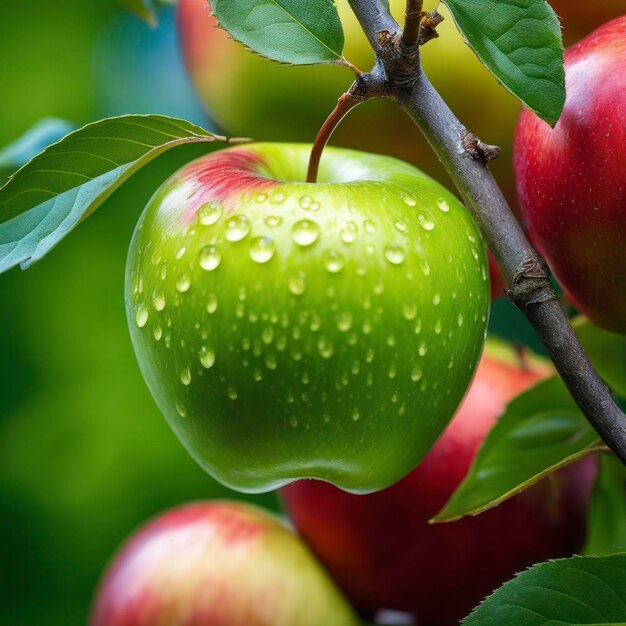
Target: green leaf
299 32
519 41
48 197
541 431
607 510
607 351
581 590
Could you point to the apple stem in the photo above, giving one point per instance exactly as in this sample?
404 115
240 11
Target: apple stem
397 74
345 104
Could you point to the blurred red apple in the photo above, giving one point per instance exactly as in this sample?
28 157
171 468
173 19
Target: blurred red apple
383 553
571 180
217 564
498 285
579 18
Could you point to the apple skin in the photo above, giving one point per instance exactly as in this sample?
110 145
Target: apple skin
330 333
571 180
384 554
217 564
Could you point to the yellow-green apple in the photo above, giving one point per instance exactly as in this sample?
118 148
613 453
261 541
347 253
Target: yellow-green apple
291 330
571 180
384 554
217 564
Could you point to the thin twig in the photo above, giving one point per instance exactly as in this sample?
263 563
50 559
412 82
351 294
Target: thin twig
345 63
524 271
412 21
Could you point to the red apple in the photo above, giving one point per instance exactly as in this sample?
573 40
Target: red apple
571 180
498 286
217 564
381 549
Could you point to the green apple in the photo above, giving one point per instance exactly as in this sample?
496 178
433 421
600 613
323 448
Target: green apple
293 330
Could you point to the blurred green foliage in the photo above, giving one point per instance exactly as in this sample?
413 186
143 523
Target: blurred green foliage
85 455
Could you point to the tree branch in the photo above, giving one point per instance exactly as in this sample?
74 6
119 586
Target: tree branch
525 272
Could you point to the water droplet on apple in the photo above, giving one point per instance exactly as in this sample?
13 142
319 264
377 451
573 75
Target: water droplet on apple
185 376
157 332
344 321
182 411
401 226
210 213
183 283
207 357
278 198
158 300
262 249
409 199
305 232
305 202
416 373
443 205
425 222
349 233
273 220
212 303
325 347
141 316
394 254
237 228
210 258
334 261
369 227
267 336
409 311
297 284
232 393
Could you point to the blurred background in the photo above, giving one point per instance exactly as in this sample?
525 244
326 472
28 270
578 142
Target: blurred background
85 456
